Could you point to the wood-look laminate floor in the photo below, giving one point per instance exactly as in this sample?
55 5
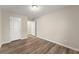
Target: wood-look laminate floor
34 45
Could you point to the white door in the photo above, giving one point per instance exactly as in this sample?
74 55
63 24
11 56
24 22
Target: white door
31 27
15 28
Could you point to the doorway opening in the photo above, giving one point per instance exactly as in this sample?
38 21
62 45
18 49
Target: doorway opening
31 27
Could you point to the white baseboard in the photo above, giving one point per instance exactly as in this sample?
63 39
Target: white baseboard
67 46
6 42
9 41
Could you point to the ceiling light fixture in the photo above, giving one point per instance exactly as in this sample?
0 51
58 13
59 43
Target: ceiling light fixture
35 7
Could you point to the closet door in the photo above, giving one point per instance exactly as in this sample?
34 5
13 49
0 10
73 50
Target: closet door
15 28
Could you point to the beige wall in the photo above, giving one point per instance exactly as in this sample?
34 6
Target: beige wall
24 27
61 27
6 25
0 28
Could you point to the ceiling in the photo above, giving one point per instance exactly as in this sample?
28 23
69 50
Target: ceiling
26 10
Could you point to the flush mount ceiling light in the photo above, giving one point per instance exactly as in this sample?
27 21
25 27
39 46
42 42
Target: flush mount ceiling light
35 7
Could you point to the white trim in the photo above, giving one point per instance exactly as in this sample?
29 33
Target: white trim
9 41
5 42
61 44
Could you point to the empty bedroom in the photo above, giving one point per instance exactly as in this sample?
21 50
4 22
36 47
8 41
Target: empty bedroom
39 29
